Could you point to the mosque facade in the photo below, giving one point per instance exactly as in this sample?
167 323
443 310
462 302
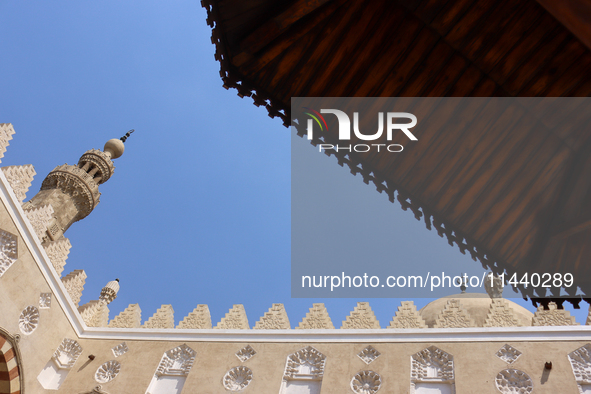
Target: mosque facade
465 343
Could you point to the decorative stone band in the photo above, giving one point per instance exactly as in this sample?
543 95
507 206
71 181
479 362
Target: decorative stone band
101 161
76 183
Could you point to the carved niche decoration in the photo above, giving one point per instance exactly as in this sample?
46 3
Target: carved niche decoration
176 362
28 320
508 354
237 378
580 361
366 382
44 300
245 353
120 349
368 354
431 365
67 353
8 250
307 363
107 372
514 381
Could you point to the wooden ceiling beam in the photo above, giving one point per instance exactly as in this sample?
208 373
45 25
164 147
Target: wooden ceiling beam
575 15
274 27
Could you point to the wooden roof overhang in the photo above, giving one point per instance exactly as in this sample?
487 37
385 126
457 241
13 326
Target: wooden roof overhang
528 209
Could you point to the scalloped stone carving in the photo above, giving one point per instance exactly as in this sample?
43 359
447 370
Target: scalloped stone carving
44 300
177 361
245 353
362 317
200 318
306 363
514 381
369 354
28 320
235 319
407 316
238 378
317 318
366 382
553 316
454 316
580 361
107 372
120 349
508 354
8 250
131 317
275 319
67 353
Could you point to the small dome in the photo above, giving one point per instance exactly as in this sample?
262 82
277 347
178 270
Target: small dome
114 147
477 305
113 285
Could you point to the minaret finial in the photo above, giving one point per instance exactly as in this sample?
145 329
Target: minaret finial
126 136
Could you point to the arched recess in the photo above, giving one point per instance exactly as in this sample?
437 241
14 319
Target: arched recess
11 376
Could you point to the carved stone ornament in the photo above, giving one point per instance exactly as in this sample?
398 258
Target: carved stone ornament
107 372
235 319
58 251
44 300
454 316
494 286
67 353
8 251
74 284
96 390
508 354
100 160
238 378
500 314
200 318
553 316
306 363
245 353
120 349
407 316
514 381
366 382
19 178
362 317
432 364
176 362
275 319
28 320
369 354
163 318
317 318
580 361
131 317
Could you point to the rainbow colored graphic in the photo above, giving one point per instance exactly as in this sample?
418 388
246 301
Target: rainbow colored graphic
316 119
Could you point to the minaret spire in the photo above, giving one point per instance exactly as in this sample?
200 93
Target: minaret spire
72 191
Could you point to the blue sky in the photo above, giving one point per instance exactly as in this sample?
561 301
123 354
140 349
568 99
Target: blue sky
198 210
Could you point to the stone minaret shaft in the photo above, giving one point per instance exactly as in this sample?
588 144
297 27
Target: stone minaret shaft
72 191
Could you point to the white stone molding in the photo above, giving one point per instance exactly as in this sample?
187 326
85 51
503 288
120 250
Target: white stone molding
553 316
361 317
237 379
107 372
514 381
8 250
580 361
28 320
44 300
246 353
306 364
366 382
199 319
508 354
500 314
131 317
163 318
67 353
40 218
317 318
368 354
407 316
58 251
6 133
275 319
176 362
431 366
120 349
454 316
95 313
74 284
19 178
235 319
